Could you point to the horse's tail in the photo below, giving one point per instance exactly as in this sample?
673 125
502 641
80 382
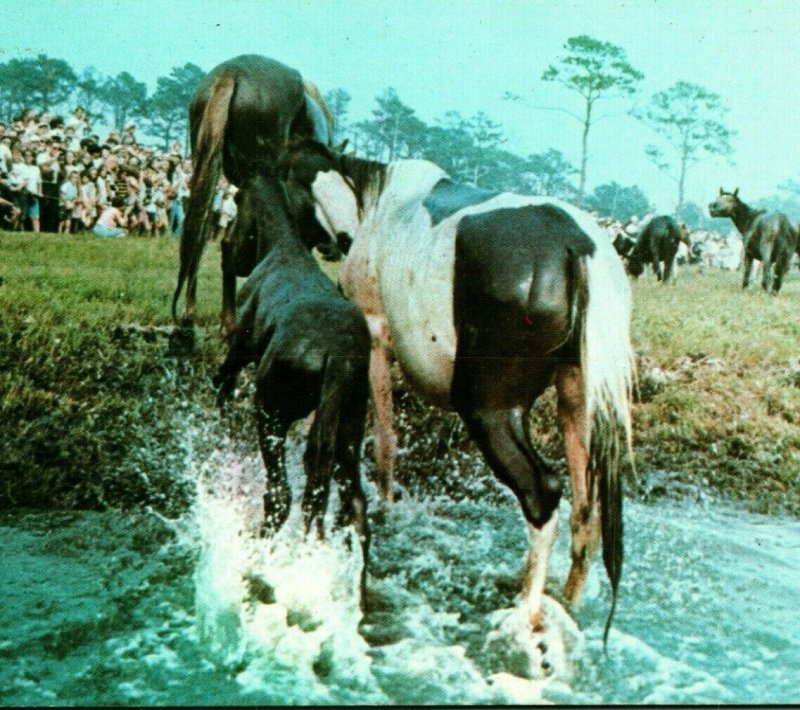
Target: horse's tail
607 363
207 160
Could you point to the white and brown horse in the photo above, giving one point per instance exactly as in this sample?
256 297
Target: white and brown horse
485 300
241 117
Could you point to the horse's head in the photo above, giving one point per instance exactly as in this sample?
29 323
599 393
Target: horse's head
726 204
635 264
321 192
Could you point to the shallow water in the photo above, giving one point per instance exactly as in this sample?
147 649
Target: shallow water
133 609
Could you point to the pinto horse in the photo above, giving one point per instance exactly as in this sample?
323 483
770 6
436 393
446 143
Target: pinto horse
311 349
242 115
658 242
486 299
767 236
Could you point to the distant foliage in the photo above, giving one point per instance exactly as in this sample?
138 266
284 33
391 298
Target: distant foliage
617 202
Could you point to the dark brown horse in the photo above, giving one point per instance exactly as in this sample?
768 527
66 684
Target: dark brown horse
242 115
768 237
658 242
311 350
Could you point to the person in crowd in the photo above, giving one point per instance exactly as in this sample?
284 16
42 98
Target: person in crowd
88 197
50 193
228 211
32 189
70 204
111 222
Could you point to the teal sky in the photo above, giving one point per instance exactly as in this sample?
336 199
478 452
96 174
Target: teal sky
442 54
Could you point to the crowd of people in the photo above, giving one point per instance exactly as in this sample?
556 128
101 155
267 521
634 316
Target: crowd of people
57 175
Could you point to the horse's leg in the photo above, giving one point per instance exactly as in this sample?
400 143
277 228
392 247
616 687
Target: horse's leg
318 462
380 380
782 264
502 436
747 267
584 519
766 263
272 428
237 358
353 502
228 316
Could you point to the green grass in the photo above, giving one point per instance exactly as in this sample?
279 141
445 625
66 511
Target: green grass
89 412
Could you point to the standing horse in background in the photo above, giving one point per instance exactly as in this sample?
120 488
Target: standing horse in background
311 349
487 299
767 236
658 242
242 115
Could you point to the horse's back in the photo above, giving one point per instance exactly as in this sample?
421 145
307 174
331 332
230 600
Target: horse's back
265 105
772 234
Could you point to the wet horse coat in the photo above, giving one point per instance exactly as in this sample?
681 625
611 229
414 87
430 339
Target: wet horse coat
241 117
311 350
767 236
485 300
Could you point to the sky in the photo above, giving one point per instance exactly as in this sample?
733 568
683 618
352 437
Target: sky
442 55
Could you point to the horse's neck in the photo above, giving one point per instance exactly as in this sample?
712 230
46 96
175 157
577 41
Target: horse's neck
744 216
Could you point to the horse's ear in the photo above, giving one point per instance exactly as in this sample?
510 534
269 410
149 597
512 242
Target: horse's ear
340 148
721 191
736 192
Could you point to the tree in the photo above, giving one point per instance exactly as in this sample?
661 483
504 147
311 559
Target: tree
690 120
394 131
125 97
595 70
89 93
41 83
338 101
549 174
167 112
618 202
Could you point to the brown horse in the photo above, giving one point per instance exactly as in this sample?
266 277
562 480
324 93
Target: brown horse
242 115
768 237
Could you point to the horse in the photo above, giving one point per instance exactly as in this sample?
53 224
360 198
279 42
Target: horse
767 236
242 114
311 349
485 300
658 242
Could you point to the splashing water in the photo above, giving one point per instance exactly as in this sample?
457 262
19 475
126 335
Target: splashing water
127 609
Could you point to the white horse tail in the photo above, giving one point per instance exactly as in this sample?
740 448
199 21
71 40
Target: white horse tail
608 370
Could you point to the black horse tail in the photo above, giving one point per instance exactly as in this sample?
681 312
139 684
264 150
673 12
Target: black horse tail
207 160
603 314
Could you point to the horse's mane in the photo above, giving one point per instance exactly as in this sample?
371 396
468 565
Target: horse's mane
367 177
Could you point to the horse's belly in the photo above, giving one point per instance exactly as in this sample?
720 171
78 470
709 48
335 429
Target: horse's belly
416 281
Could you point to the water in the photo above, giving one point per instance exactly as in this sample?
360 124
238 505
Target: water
121 608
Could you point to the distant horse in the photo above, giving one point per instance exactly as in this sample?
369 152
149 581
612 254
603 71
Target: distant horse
242 115
311 349
658 242
487 299
767 236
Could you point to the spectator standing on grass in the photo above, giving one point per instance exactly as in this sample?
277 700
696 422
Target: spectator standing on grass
179 191
111 222
50 194
70 201
16 183
33 189
88 196
228 211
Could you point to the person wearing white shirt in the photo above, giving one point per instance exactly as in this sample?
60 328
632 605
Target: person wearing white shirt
32 188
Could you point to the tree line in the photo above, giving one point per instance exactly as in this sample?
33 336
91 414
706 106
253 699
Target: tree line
687 120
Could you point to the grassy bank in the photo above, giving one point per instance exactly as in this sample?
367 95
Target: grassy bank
90 407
